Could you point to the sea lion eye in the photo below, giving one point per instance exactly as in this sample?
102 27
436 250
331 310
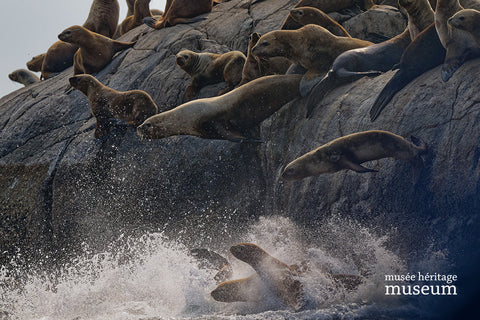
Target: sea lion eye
462 18
265 44
68 32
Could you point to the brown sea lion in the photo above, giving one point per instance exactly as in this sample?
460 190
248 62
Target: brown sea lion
24 77
208 68
350 151
371 61
180 11
131 9
141 10
35 64
211 260
469 21
95 51
424 53
231 116
310 15
241 290
279 278
133 106
312 47
255 67
459 44
58 58
325 6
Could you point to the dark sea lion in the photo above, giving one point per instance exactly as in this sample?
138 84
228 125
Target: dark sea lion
424 53
310 15
24 77
312 47
255 67
208 68
180 11
95 51
350 151
35 64
132 106
231 116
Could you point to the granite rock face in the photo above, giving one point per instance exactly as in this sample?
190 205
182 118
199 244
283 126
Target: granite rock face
59 186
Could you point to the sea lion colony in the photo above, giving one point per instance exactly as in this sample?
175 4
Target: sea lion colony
263 89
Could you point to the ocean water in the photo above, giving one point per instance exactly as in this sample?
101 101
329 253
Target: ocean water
153 277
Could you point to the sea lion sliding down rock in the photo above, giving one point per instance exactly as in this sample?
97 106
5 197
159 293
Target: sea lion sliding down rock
350 151
23 76
102 19
278 277
373 60
231 116
95 51
312 47
105 103
469 21
208 68
180 11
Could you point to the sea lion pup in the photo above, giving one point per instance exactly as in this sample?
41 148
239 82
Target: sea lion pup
276 275
95 51
424 53
208 68
180 11
141 10
35 64
373 60
469 21
350 151
132 106
230 117
255 67
310 15
312 47
24 77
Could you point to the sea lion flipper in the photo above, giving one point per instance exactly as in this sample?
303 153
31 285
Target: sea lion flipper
419 143
309 80
347 163
319 91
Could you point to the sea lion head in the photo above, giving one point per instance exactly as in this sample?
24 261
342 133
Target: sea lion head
69 34
463 18
248 252
185 59
315 162
297 14
155 127
36 63
83 82
14 75
269 46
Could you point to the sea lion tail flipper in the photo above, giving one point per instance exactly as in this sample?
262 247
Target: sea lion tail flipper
319 91
419 143
354 166
396 83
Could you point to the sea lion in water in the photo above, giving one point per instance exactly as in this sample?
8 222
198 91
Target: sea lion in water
278 277
469 21
208 68
350 151
24 77
424 53
132 106
212 260
310 15
95 51
35 64
231 116
180 11
373 60
312 47
255 67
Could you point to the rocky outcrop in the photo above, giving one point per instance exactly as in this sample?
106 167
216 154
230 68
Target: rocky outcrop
60 187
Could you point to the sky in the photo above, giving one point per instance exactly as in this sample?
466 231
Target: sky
30 27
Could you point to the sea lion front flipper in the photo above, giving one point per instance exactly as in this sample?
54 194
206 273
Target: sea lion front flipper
348 164
309 80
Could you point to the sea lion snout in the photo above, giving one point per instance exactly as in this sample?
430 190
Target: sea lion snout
289 173
145 130
74 81
65 35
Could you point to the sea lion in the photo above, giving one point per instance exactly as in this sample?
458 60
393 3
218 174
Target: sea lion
208 68
469 21
141 10
424 53
373 60
95 51
131 9
325 6
310 15
255 67
35 64
209 259
24 77
279 278
58 58
231 116
312 47
241 290
180 11
349 152
459 44
132 106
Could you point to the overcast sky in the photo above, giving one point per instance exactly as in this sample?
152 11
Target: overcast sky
29 27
